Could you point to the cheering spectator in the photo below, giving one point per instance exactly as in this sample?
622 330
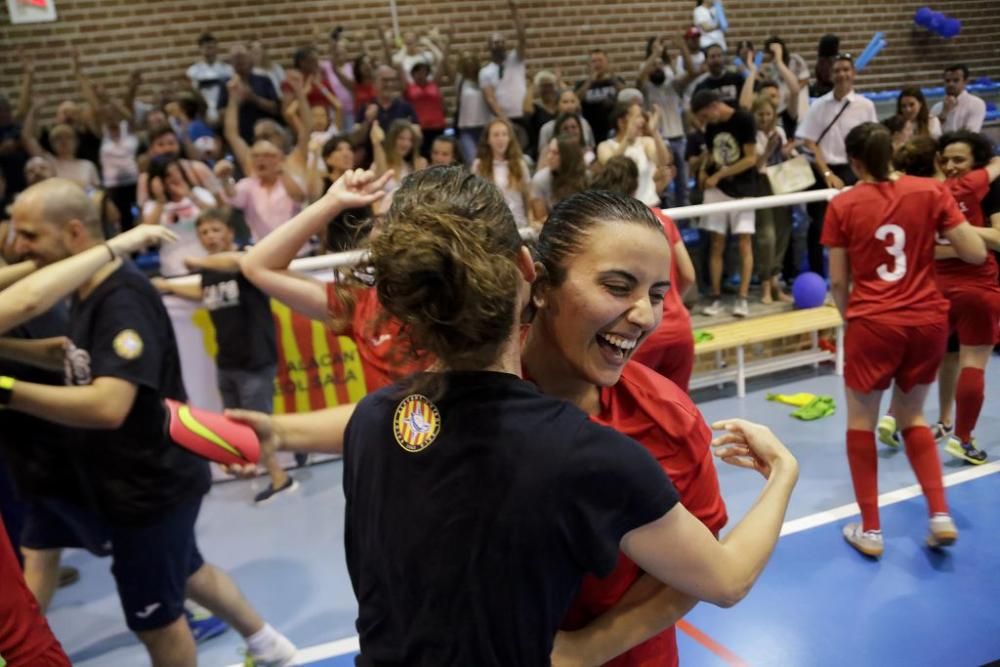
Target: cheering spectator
569 104
823 132
504 80
111 121
727 83
826 53
690 63
570 126
636 139
471 111
63 158
269 194
264 66
258 98
706 18
562 172
416 48
598 93
661 89
500 161
911 107
208 76
960 109
175 203
338 158
773 225
164 142
318 91
728 173
396 151
339 72
791 74
424 95
541 105
385 108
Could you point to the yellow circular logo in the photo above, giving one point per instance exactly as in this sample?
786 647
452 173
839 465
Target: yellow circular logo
416 423
128 344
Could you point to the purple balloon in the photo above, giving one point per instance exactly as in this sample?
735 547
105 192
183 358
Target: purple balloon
809 290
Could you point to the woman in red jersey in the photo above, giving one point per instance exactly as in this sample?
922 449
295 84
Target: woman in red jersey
352 311
881 236
967 164
670 349
601 294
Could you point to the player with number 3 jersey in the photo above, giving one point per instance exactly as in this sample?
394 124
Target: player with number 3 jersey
881 236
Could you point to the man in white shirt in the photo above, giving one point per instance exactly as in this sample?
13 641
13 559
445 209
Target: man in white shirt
823 132
960 110
209 76
504 80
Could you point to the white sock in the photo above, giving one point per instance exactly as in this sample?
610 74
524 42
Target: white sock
263 640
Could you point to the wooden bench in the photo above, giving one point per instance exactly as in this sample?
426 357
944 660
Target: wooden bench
738 335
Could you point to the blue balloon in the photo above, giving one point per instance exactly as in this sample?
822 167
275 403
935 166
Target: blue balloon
937 21
951 28
809 290
923 17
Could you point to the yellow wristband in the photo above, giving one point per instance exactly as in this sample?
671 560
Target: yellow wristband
6 390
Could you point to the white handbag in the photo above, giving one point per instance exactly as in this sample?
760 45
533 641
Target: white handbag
794 175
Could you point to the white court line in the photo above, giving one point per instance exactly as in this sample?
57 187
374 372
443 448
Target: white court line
351 644
890 498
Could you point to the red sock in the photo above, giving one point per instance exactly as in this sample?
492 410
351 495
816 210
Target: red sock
968 401
863 462
922 452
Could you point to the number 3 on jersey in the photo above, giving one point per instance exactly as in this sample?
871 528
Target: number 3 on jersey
895 249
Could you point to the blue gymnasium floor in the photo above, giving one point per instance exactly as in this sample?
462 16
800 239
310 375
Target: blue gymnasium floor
818 603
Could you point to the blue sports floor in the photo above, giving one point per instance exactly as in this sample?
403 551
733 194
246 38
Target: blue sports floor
819 602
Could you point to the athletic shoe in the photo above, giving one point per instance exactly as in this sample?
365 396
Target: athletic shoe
741 308
967 451
868 542
301 460
941 432
943 531
280 654
713 308
887 433
270 492
203 624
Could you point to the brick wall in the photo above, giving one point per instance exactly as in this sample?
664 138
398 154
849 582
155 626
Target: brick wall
159 35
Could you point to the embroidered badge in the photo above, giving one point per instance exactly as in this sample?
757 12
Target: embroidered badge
128 344
416 423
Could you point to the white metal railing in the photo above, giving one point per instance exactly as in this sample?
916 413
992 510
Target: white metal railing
353 257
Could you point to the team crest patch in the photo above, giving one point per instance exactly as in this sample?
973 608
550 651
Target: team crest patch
128 344
416 423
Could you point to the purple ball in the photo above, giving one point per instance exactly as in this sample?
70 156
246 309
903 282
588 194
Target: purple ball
809 290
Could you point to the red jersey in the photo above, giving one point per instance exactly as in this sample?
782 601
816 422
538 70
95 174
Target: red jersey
25 637
676 318
653 411
888 230
428 104
969 191
364 94
382 355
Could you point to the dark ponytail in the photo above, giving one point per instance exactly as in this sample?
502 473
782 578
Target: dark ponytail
871 145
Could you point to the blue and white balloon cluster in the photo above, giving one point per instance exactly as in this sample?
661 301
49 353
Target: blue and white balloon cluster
937 23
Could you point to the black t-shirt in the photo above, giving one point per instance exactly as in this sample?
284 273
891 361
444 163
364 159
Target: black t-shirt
598 103
398 108
729 86
991 203
244 326
725 143
248 112
88 146
472 520
122 330
44 457
13 157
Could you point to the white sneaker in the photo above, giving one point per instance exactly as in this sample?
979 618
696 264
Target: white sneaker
943 531
712 309
741 308
868 542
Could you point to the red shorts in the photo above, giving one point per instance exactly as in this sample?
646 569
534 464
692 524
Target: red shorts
974 315
669 353
876 354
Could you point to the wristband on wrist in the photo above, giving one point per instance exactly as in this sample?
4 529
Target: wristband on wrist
111 251
6 390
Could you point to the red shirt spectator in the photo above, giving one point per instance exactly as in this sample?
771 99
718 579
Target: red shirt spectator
427 103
